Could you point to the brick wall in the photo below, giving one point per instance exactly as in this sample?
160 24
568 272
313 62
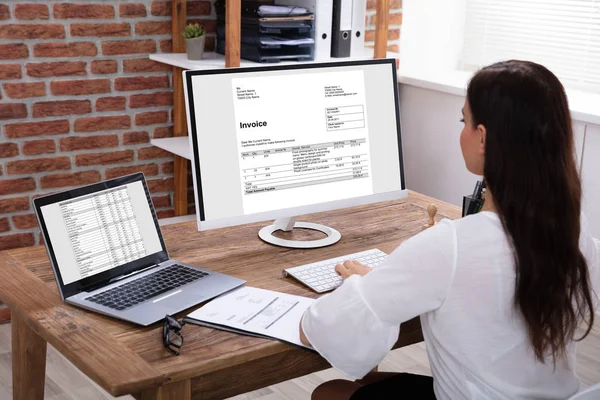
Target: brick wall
80 100
394 24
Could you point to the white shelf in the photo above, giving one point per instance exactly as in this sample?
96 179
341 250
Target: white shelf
217 61
177 145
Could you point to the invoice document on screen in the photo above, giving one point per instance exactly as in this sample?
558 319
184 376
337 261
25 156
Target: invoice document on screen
256 311
302 139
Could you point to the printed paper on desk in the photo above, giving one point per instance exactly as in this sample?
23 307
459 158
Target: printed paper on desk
259 311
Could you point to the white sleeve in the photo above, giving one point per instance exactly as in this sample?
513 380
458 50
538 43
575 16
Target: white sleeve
356 326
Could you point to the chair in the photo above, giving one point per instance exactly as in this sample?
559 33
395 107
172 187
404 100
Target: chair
591 393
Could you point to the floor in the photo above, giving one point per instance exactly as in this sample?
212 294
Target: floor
65 382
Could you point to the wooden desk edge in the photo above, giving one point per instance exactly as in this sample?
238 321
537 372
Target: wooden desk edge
117 384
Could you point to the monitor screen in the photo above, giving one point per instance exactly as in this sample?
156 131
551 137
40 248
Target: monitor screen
274 138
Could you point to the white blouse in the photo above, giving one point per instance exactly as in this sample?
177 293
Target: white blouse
459 277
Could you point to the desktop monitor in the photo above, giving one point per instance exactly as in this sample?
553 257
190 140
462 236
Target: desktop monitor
274 142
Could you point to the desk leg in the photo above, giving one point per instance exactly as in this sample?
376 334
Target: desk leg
181 390
28 361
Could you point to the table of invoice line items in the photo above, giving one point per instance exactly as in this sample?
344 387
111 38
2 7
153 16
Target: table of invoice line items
103 230
295 166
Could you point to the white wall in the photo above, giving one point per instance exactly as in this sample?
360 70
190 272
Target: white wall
433 161
590 168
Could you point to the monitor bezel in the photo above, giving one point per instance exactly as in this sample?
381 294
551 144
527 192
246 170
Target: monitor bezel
94 281
203 224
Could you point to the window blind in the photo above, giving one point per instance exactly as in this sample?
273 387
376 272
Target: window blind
563 35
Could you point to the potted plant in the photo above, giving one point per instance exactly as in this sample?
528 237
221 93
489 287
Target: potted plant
194 41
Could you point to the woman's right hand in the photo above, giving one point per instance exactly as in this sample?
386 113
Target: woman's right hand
349 268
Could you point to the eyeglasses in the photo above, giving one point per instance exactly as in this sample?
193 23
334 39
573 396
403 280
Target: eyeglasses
172 338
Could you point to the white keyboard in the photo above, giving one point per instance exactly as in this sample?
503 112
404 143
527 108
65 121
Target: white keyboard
321 276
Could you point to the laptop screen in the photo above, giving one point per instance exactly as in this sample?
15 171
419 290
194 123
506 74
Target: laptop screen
100 231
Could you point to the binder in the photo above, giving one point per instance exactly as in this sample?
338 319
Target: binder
341 38
323 12
359 10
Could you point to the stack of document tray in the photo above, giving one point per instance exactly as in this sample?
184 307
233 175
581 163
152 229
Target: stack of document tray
270 33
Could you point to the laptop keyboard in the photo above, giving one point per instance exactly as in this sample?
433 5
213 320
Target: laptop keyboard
142 289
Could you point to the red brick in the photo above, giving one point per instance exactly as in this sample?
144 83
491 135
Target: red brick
196 8
95 124
83 11
161 201
60 68
104 67
25 221
70 179
101 30
132 10
72 143
73 49
393 34
144 65
80 87
395 19
63 107
165 214
10 186
167 168
166 46
147 28
4 225
32 31
13 111
35 165
394 4
27 129
16 203
10 71
8 150
114 157
17 240
151 118
160 185
152 152
135 137
112 48
4 12
162 132
36 147
209 25
161 8
110 104
13 51
25 90
31 11
141 83
147 169
157 99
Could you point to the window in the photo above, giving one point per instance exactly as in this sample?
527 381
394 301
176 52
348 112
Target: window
446 40
563 35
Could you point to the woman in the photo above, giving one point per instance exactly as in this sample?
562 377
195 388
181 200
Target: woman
502 293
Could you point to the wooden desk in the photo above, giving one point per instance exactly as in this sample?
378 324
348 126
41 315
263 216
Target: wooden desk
126 359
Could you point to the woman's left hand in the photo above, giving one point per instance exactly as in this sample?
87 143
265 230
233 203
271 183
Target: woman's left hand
349 268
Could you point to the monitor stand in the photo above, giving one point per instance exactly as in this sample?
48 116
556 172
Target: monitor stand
287 224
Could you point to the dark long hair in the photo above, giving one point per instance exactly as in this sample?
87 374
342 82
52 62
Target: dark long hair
531 172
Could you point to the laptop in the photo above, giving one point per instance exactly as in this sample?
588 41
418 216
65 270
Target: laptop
108 254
